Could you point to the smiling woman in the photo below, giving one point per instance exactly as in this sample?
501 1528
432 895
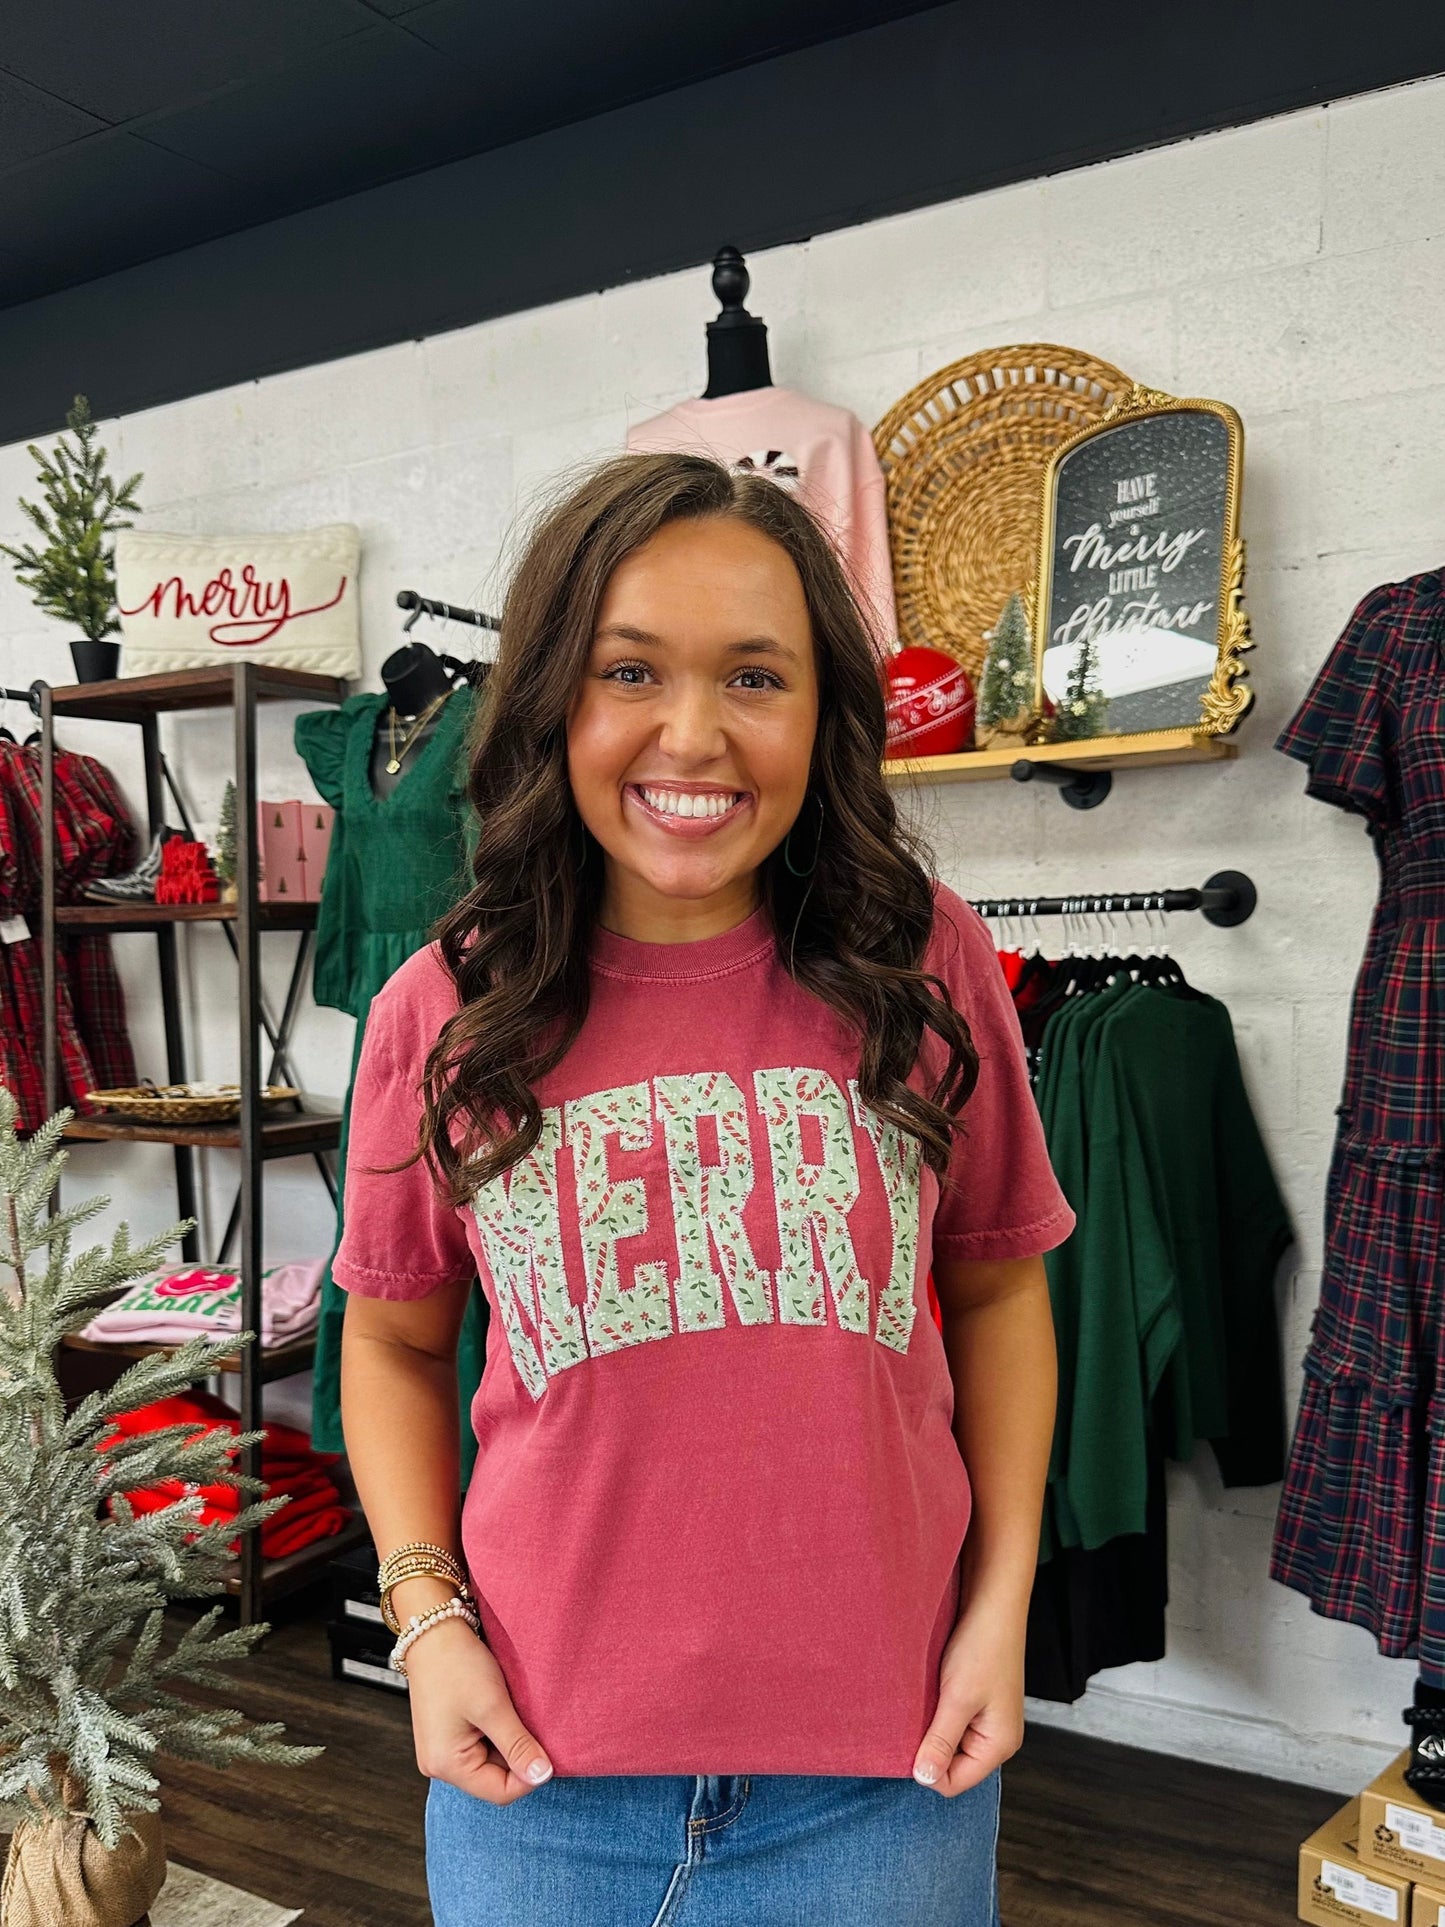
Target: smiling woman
690 738
689 1102
675 624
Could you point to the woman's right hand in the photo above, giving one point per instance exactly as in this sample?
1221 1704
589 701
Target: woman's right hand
463 1721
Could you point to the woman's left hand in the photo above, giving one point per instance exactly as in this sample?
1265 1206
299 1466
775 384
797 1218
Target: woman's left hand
979 1720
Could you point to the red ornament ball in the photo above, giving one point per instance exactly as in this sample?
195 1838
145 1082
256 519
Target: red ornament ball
930 704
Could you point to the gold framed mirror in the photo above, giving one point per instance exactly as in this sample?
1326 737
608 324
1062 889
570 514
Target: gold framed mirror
1138 621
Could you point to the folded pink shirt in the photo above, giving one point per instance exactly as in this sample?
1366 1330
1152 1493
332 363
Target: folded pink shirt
168 1307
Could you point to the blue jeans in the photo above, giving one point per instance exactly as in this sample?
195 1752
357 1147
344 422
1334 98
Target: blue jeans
716 1850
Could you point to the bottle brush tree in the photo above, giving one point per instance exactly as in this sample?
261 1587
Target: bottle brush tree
91 1677
226 835
1083 711
71 576
1007 686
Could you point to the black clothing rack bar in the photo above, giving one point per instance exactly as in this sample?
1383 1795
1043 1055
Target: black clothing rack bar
1227 898
444 611
30 696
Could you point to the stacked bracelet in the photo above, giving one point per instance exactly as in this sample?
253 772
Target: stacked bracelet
420 1623
417 1560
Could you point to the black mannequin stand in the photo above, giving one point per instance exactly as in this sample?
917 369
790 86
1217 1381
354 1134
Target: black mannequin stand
737 342
414 676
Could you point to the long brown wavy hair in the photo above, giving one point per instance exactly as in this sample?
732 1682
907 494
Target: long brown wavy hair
853 931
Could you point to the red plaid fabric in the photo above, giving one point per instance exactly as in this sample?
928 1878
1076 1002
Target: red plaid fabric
1361 1526
91 827
19 1058
87 794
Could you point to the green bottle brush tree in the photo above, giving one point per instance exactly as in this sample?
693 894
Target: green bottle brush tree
89 1673
71 575
1006 688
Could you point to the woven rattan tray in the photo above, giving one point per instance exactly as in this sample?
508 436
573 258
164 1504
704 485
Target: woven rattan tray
184 1103
964 455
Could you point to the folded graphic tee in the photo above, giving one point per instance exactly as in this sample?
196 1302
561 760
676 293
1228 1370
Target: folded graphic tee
820 453
718 1505
197 1301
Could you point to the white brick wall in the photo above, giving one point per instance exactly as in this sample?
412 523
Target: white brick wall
1296 269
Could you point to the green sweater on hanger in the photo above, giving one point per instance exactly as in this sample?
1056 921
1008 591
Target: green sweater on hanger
1163 1297
1116 1318
396 863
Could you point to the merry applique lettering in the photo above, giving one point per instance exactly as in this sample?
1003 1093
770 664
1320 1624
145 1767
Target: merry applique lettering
701 1122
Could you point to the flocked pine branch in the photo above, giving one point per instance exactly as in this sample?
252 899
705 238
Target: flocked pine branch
71 575
87 1675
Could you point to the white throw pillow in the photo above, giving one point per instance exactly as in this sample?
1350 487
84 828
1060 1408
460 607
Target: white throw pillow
187 601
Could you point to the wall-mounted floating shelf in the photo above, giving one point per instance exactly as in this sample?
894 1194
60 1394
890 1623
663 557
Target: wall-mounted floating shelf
1082 770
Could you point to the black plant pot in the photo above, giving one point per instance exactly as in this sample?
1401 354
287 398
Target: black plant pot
95 661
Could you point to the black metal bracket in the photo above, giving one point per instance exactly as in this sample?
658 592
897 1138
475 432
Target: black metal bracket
1229 898
1081 789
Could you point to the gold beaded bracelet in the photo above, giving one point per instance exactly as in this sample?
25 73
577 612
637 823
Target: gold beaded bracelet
417 1560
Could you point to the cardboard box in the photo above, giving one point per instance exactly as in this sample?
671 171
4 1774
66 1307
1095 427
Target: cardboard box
316 825
1400 1832
1428 1907
282 864
1335 1886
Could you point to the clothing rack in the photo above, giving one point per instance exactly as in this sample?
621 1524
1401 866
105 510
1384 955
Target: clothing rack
1227 898
30 696
421 605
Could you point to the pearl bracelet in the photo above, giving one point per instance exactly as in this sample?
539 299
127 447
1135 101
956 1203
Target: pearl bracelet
421 1623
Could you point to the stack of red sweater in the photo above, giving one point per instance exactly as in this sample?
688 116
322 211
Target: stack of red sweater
288 1465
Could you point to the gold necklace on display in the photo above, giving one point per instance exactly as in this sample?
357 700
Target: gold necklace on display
417 727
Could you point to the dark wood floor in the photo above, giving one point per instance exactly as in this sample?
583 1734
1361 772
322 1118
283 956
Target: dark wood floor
1093 1835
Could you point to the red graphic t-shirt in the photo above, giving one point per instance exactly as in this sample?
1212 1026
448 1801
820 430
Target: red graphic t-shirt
717 1509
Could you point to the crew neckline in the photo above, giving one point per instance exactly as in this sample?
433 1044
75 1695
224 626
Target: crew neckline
693 958
739 395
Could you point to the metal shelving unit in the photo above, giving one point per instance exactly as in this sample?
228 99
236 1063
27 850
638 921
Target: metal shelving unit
141 700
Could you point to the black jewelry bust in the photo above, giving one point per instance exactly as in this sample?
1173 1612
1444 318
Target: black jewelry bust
413 677
737 342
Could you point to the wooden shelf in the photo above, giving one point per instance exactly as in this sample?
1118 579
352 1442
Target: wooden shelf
277 1361
148 916
297 1569
995 765
287 1136
130 699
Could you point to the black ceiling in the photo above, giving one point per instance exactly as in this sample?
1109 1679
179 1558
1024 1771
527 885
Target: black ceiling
199 192
129 131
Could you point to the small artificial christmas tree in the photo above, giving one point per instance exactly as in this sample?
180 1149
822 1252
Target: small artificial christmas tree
1084 708
226 840
86 1677
1005 696
73 576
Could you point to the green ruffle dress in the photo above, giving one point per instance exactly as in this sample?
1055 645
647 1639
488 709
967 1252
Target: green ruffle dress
396 863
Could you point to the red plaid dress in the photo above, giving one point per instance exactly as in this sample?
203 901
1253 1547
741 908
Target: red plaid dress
1361 1526
93 839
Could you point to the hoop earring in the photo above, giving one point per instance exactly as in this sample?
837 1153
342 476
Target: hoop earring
817 846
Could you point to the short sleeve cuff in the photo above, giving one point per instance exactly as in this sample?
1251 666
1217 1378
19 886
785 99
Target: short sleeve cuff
368 1283
1016 1241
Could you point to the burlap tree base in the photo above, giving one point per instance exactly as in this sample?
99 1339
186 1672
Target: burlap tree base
59 1874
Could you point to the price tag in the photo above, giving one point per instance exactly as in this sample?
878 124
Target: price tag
1358 1890
14 930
